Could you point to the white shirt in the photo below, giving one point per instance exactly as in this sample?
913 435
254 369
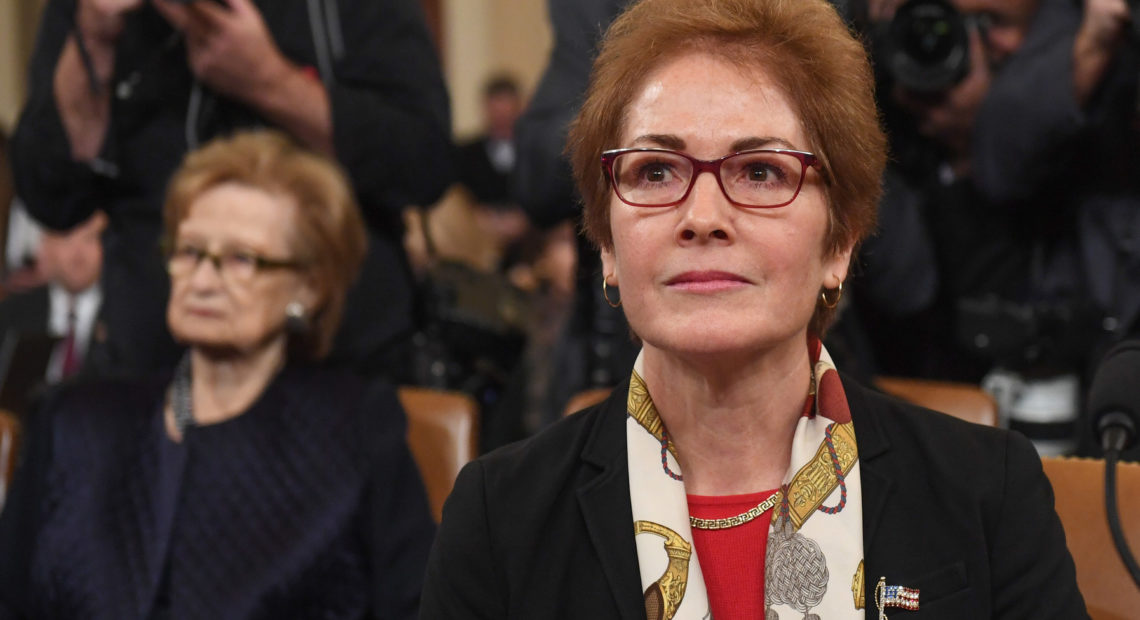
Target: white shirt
86 309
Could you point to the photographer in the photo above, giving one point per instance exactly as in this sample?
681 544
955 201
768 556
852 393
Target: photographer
937 234
121 89
1029 196
1060 131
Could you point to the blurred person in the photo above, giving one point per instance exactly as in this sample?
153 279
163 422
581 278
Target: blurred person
737 474
54 332
20 235
939 240
72 263
594 348
1040 123
7 195
484 163
1060 131
120 90
21 249
252 483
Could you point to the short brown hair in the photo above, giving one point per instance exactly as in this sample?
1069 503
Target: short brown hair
802 44
330 237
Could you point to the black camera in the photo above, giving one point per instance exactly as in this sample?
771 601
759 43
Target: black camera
926 47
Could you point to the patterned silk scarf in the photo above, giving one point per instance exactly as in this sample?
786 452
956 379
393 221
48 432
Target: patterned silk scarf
814 564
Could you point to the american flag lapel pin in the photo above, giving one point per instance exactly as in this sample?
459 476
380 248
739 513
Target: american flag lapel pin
900 597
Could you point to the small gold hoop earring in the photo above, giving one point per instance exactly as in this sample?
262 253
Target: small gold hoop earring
830 304
606 294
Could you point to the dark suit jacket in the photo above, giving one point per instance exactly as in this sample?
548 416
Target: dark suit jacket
543 529
307 505
25 312
25 316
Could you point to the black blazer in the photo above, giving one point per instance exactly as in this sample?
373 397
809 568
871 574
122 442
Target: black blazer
26 312
307 505
543 529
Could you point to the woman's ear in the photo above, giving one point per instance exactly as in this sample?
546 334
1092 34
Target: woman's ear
609 267
836 266
308 292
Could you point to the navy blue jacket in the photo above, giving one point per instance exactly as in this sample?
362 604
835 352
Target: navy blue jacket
306 505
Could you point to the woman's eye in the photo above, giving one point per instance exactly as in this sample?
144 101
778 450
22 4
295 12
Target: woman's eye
656 172
241 259
188 251
758 174
766 173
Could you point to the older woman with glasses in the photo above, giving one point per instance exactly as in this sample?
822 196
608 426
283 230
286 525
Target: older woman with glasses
729 155
252 483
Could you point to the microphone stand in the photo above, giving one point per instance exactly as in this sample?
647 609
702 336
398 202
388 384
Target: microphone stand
1114 438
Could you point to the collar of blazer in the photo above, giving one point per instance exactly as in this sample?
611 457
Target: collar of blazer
604 500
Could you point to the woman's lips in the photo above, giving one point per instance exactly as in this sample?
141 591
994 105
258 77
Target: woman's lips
706 281
204 312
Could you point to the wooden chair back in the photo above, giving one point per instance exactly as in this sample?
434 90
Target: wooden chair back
1078 486
961 400
585 398
443 430
9 445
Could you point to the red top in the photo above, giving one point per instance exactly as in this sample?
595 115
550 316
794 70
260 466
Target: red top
732 559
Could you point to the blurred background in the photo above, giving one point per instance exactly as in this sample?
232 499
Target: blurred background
476 38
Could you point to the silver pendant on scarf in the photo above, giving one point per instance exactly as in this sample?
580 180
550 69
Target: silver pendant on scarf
795 571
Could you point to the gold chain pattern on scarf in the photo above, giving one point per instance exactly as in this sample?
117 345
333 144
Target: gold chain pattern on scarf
740 519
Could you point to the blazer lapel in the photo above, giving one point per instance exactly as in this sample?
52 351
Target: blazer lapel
878 483
873 460
605 504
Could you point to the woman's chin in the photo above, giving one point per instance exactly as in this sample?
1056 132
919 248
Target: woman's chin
729 338
203 338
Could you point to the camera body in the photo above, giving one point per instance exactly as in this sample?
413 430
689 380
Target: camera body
926 47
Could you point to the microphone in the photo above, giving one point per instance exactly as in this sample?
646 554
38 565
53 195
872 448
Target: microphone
1114 397
1114 409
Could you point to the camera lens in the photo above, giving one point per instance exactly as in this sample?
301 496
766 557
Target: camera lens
928 46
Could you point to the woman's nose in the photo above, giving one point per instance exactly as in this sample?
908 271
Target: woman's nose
707 212
206 274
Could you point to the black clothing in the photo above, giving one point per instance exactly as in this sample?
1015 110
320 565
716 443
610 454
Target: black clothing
476 171
596 346
24 319
544 528
26 312
308 504
391 131
1076 166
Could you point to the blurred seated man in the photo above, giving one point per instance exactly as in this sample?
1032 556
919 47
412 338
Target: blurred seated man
484 163
67 307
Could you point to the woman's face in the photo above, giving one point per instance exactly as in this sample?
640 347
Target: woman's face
706 276
235 309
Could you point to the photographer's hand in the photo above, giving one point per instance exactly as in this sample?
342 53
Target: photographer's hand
1102 31
882 10
948 117
101 21
232 51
